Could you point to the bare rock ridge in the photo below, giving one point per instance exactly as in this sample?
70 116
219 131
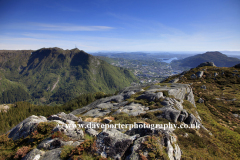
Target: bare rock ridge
207 64
118 143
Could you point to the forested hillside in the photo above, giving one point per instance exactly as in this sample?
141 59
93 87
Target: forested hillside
54 75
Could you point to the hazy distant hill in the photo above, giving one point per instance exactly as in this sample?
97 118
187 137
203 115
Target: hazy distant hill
219 59
54 74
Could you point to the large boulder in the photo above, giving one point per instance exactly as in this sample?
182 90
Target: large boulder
207 64
183 116
72 131
191 119
52 154
170 114
199 74
34 154
161 139
26 127
64 117
91 132
150 96
112 143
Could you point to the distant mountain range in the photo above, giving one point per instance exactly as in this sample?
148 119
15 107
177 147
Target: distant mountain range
56 75
219 59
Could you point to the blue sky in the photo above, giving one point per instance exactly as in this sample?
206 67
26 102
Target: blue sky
121 25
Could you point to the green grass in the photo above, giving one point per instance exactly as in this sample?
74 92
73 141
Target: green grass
216 116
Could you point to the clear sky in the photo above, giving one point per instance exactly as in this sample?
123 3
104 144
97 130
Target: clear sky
121 25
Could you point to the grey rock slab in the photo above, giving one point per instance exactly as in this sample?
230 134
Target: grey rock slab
97 112
34 154
91 132
174 80
178 105
200 100
199 74
128 94
66 118
135 148
49 144
174 153
107 105
150 96
133 88
94 104
206 64
76 134
112 143
26 127
168 140
58 122
69 116
133 109
191 119
52 154
183 116
55 117
73 131
118 98
170 114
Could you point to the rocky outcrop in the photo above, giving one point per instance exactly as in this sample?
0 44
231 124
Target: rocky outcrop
162 138
150 96
26 127
118 143
199 74
52 146
112 143
207 64
66 118
35 154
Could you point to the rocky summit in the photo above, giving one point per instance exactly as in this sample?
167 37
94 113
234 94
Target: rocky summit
165 101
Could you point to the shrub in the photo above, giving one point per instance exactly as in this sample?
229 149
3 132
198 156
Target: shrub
46 127
66 150
21 152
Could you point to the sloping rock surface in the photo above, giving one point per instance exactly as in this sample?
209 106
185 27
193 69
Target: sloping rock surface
118 143
26 127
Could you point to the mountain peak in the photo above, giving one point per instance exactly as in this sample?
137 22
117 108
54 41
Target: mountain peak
214 53
218 58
